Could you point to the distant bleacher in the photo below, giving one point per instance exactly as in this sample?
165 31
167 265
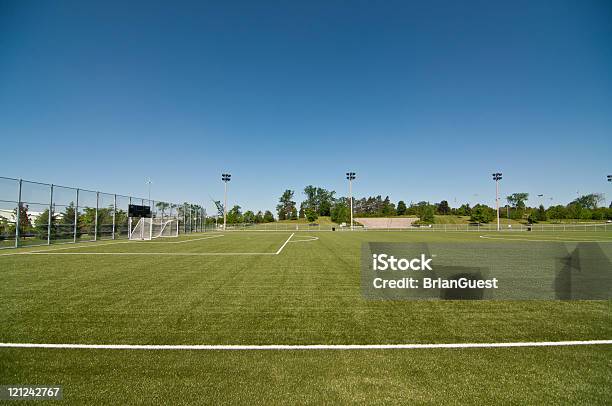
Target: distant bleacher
384 222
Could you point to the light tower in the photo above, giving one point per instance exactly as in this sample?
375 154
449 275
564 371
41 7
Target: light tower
610 180
148 182
225 177
351 177
497 177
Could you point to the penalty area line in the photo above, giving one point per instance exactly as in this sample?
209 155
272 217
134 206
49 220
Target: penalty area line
281 347
283 246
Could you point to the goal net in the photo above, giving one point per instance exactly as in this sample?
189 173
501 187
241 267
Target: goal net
150 228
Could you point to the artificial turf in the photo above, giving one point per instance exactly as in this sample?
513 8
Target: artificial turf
307 294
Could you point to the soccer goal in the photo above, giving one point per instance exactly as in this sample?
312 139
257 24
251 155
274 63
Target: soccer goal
149 228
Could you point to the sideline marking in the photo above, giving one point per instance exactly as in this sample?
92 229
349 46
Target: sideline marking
306 346
183 254
531 239
283 246
88 244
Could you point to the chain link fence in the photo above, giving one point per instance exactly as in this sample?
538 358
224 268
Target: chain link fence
34 213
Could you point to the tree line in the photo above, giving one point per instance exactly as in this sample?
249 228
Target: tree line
322 202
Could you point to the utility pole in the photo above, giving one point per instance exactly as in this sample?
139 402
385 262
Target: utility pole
351 177
497 177
225 177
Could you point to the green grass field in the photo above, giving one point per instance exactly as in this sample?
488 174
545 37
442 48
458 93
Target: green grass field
257 288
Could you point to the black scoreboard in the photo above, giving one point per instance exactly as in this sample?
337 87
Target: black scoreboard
135 210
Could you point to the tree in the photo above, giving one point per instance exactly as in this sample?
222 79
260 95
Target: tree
541 213
311 197
401 208
517 200
426 214
268 217
533 217
24 218
87 220
248 217
259 218
482 214
318 199
121 218
311 215
464 210
537 215
586 214
574 211
234 216
41 225
443 207
4 228
590 201
340 213
286 205
557 212
388 208
162 206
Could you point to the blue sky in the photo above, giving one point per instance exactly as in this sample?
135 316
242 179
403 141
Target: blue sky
422 100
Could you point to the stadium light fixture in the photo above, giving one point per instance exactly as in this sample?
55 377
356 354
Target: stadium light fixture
225 177
609 178
497 177
351 177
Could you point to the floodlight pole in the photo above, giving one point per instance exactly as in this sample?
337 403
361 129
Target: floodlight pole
148 181
225 177
497 177
351 177
609 178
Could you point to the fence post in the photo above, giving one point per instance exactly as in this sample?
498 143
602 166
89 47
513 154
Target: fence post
114 214
96 219
50 216
76 216
151 205
18 215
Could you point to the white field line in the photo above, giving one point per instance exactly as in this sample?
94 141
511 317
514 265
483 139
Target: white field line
95 245
306 346
283 246
180 254
310 238
538 240
193 239
70 247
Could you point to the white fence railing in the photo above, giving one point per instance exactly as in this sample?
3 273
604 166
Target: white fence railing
276 226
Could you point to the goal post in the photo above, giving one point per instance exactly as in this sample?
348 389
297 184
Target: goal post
150 228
